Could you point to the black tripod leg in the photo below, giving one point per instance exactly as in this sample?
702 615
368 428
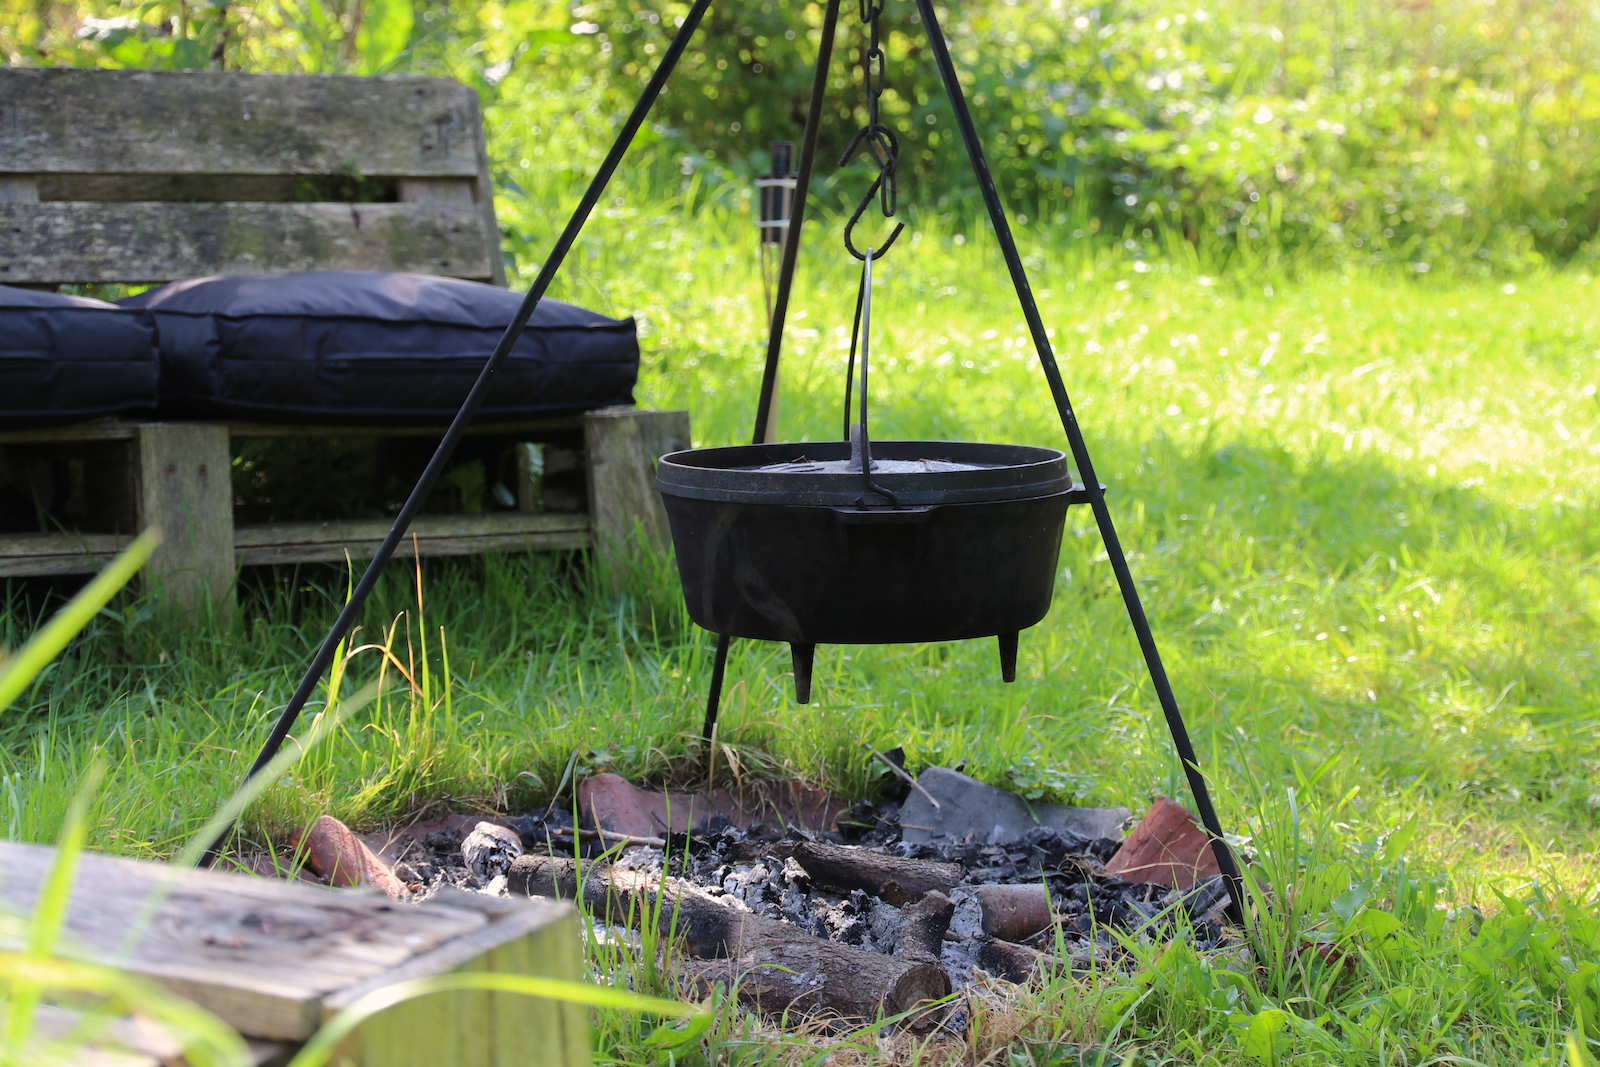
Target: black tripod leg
1080 456
714 698
797 217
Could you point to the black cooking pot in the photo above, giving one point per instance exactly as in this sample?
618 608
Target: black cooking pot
789 542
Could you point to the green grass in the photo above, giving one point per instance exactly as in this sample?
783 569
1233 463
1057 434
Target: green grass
1361 511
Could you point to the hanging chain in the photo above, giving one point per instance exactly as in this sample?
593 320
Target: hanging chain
880 141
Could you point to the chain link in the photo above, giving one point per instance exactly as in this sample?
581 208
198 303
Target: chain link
879 140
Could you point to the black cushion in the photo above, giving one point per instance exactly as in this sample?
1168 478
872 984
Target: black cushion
375 348
65 358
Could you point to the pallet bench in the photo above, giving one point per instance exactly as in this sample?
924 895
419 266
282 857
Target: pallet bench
135 177
274 960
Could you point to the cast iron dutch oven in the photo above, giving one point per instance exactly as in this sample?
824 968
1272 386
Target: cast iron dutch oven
787 542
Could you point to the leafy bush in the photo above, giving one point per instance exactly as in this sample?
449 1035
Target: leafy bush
1457 132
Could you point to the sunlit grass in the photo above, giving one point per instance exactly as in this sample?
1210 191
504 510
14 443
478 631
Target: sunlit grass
1360 508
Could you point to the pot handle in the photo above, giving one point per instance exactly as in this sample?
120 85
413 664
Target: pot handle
881 516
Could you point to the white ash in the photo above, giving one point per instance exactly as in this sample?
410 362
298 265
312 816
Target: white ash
489 850
964 938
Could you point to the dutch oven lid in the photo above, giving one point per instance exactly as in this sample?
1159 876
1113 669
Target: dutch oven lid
821 474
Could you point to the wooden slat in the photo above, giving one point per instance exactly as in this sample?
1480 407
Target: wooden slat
156 122
260 953
275 960
436 535
35 555
106 430
74 241
111 430
487 429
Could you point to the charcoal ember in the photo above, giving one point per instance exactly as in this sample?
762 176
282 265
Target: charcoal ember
871 824
537 829
1207 900
490 849
444 842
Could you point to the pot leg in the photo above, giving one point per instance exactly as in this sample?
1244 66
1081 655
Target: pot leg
1008 656
714 698
802 656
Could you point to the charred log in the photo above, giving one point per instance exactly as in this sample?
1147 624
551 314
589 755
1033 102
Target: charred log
775 967
897 881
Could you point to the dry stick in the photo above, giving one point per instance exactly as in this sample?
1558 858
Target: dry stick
611 835
912 782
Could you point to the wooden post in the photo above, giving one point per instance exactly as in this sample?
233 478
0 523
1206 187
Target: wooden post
625 511
275 960
185 488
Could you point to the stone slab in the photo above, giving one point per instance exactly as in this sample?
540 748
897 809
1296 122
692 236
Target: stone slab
993 816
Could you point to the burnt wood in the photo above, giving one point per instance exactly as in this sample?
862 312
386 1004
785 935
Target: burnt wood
897 881
775 967
923 926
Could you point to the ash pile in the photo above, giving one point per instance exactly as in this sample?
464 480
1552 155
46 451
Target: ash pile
896 905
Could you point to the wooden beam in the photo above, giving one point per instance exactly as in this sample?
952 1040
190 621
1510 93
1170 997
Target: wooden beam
256 544
111 430
85 121
622 446
436 535
33 555
185 489
58 241
274 960
440 192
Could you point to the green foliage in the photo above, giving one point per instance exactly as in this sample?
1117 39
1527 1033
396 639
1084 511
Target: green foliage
1460 134
385 31
1354 960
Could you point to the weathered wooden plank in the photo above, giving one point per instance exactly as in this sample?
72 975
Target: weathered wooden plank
72 241
436 535
260 953
113 430
498 1028
162 122
33 555
274 960
186 490
442 192
534 427
623 445
106 430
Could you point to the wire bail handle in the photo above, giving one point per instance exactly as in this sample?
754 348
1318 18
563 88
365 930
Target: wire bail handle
860 438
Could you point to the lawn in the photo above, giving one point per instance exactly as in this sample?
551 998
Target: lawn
1360 509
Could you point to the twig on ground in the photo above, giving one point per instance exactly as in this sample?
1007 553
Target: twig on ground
912 782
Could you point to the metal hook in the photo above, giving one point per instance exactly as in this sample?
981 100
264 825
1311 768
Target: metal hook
878 139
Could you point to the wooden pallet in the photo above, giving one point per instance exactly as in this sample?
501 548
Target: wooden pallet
177 478
274 960
113 177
